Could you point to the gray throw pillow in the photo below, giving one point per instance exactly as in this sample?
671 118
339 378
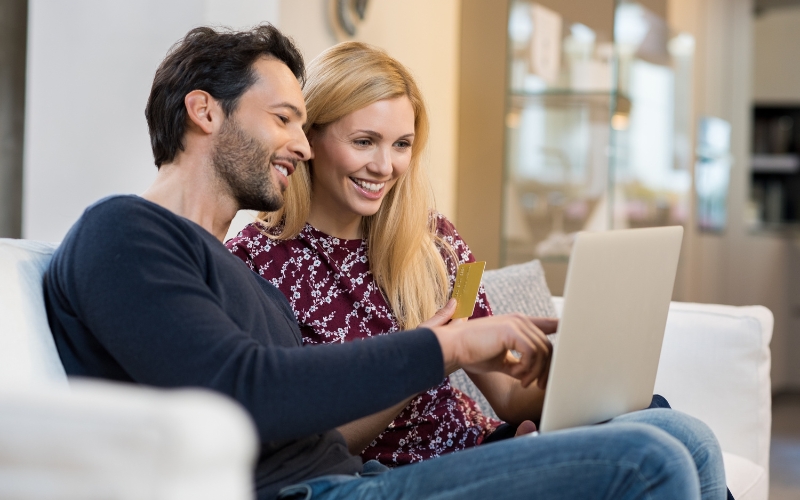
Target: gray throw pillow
518 288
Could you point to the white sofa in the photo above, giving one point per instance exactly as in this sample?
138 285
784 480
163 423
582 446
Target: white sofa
117 442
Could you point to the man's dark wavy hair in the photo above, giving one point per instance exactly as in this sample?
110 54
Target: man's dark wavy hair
219 62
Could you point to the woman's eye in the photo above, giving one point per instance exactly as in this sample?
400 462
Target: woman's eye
402 144
362 142
284 119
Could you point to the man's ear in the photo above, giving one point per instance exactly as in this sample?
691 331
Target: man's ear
203 110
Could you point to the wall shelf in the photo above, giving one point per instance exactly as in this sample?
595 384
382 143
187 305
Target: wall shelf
775 166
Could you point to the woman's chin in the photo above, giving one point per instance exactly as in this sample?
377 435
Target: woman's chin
367 209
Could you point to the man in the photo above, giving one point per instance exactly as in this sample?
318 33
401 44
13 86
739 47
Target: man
142 290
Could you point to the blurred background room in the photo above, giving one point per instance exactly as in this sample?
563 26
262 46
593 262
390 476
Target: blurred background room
548 117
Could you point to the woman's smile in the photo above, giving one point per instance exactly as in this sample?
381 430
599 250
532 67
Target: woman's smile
372 190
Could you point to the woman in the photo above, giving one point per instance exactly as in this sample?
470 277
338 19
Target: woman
359 250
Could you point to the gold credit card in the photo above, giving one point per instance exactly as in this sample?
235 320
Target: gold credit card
465 289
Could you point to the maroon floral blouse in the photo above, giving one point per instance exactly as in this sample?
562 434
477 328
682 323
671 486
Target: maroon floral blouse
335 299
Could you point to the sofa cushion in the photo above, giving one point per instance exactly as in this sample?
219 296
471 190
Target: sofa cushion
715 365
518 288
28 355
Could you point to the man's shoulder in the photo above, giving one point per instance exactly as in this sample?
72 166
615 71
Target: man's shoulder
124 225
126 217
124 209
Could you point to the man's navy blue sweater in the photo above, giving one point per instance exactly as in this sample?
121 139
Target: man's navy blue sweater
138 294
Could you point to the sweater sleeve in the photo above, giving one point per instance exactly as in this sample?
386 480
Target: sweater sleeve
138 288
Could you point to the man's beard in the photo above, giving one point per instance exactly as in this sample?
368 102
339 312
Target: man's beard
245 168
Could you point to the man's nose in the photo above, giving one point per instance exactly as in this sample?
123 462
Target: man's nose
299 146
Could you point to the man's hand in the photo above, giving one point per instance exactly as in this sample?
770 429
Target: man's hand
546 325
484 345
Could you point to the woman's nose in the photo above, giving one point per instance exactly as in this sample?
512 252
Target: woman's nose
382 162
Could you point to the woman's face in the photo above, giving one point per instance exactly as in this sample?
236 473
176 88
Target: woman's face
358 158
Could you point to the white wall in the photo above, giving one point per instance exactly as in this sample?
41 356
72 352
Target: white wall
424 36
776 59
90 68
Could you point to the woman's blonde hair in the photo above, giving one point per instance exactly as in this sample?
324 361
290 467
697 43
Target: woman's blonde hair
402 245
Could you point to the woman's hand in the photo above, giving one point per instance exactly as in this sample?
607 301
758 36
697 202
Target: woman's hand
442 316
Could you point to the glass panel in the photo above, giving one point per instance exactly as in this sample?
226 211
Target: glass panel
597 132
651 152
557 131
557 171
552 53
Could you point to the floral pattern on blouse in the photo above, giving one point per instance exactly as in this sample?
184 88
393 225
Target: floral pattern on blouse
335 299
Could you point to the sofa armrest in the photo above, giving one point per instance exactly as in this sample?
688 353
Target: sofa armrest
28 355
715 365
106 440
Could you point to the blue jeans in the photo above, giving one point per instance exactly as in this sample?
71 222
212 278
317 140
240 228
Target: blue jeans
651 454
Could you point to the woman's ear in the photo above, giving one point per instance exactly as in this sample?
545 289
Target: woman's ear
311 135
203 111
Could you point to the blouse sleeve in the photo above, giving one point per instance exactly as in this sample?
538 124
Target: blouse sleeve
447 231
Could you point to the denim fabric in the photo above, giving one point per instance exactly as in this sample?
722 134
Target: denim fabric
508 431
653 454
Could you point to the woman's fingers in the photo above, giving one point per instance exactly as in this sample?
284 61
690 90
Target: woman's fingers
442 316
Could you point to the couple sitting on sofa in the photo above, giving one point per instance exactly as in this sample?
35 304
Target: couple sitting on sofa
142 290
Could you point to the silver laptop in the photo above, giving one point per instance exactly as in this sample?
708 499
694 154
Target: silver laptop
616 299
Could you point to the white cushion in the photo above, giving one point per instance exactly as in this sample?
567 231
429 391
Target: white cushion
120 442
28 355
746 480
715 365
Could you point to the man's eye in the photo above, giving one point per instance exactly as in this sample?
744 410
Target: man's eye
284 119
